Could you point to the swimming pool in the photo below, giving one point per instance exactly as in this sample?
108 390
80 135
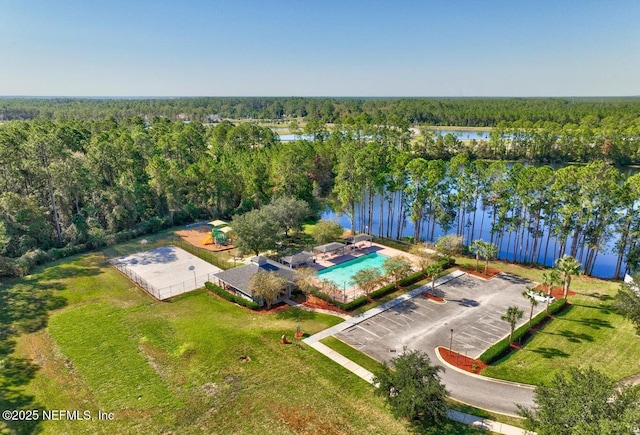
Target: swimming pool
341 274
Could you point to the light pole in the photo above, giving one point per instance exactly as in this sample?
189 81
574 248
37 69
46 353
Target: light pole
344 292
192 268
451 341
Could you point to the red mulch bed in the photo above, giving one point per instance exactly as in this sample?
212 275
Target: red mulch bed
314 302
434 298
274 308
471 270
556 292
460 361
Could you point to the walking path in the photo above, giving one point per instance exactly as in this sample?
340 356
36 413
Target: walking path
314 342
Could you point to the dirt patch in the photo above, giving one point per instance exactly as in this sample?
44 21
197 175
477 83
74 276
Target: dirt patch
471 270
314 302
274 308
198 237
461 361
304 420
556 292
434 298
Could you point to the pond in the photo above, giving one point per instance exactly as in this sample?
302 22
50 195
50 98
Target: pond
463 135
604 267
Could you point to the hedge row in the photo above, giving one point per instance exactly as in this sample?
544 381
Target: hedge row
231 297
499 349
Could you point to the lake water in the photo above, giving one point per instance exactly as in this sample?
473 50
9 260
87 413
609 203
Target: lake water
462 135
604 267
292 137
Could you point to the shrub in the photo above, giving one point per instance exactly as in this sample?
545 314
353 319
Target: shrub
379 293
231 297
396 244
383 291
7 267
500 348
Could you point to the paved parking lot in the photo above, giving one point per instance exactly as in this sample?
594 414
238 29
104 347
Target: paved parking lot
472 309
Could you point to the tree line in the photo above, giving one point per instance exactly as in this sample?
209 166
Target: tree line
78 182
529 209
475 112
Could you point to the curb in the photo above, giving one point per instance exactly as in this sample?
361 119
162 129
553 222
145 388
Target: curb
484 378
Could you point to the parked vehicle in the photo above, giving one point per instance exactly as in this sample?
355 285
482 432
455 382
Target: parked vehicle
541 296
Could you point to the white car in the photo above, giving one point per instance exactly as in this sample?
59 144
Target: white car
541 296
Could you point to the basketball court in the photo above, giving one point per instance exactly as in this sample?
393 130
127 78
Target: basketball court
166 271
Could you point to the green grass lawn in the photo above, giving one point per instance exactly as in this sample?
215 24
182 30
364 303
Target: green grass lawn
589 333
354 355
78 335
195 364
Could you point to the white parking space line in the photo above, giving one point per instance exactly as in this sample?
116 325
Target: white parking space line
416 312
391 320
366 330
410 320
378 324
424 306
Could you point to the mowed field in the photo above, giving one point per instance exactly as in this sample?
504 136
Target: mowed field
588 334
92 341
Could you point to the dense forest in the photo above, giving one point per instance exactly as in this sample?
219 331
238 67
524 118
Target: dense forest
473 112
75 184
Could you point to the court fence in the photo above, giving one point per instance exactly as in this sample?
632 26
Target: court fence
162 293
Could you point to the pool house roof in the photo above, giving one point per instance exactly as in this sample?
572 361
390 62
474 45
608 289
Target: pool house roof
358 238
297 259
239 277
329 247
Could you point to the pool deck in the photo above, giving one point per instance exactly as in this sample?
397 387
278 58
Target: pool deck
324 261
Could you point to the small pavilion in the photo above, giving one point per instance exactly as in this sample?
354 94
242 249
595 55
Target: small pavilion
297 260
357 239
330 248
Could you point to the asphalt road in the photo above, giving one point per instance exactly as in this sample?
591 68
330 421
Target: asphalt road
472 311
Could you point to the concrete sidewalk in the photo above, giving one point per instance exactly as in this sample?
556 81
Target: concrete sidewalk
314 342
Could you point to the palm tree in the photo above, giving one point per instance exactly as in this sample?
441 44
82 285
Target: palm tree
549 280
530 294
485 250
567 266
512 315
477 247
490 251
433 270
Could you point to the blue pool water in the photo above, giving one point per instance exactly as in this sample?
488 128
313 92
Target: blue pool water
341 274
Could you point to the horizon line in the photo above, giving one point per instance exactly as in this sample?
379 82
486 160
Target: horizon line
133 97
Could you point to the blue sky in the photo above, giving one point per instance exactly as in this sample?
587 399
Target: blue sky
320 48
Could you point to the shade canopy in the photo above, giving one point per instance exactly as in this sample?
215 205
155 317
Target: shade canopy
357 239
218 223
329 247
297 259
